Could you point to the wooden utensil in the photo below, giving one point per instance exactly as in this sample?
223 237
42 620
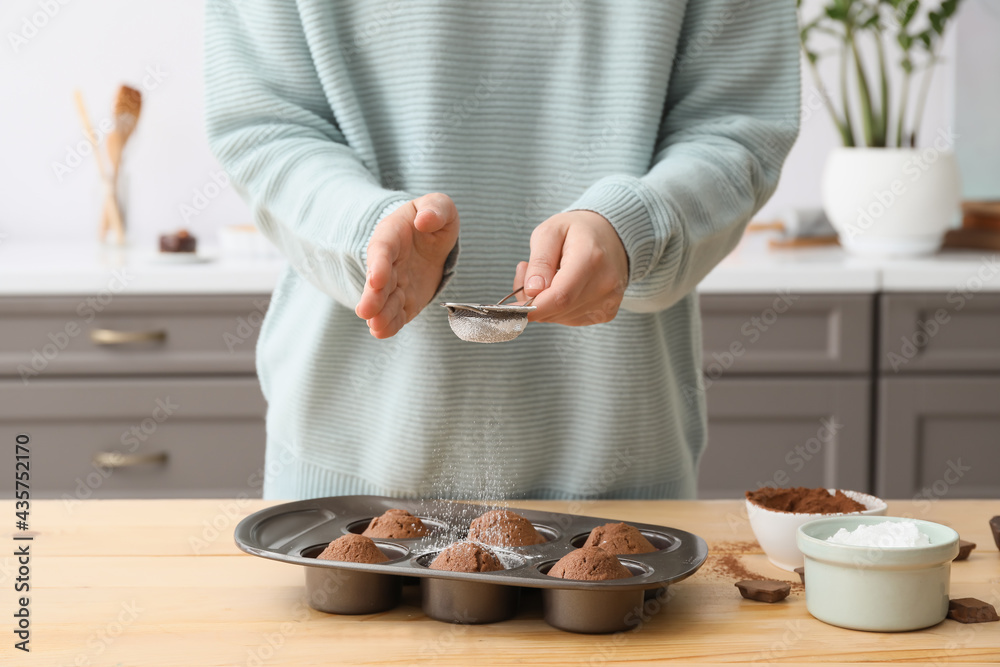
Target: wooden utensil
110 202
128 104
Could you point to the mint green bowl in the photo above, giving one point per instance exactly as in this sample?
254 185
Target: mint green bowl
888 589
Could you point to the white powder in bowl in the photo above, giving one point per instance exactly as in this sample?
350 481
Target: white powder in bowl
886 534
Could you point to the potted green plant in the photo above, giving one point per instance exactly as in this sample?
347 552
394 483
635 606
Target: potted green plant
887 191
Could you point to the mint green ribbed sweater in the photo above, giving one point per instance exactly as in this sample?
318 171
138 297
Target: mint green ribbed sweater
669 118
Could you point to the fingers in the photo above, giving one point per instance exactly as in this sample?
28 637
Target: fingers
374 300
433 212
385 244
561 299
546 253
405 254
519 273
391 318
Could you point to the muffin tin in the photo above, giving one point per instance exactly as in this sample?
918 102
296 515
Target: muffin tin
297 532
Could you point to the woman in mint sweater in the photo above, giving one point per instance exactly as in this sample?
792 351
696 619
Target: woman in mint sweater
606 155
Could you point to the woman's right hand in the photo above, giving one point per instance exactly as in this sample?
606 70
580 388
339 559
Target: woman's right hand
406 256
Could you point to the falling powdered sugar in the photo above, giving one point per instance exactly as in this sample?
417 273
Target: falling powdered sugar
888 534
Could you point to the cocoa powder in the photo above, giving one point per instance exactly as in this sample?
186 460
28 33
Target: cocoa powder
800 500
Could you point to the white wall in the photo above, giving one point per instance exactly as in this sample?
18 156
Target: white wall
98 44
977 98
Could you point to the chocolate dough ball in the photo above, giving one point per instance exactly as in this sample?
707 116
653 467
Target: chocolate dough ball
589 564
503 528
353 548
619 538
466 557
395 525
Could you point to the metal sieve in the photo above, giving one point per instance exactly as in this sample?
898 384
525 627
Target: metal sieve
489 323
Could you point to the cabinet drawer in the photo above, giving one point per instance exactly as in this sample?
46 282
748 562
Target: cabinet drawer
148 438
786 333
786 432
940 332
48 337
937 437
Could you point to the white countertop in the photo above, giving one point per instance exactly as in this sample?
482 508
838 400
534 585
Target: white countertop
53 270
84 269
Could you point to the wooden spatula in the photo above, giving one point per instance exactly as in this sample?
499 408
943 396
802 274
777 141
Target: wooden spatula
128 104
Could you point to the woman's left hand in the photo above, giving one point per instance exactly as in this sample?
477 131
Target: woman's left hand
577 272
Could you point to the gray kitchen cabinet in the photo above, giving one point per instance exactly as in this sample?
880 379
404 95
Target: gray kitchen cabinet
938 422
786 332
151 396
107 438
939 437
786 432
788 388
958 331
128 335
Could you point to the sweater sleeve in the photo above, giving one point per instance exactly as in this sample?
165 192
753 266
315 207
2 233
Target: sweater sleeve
730 117
273 130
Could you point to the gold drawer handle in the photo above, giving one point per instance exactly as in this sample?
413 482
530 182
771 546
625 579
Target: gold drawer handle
119 460
113 337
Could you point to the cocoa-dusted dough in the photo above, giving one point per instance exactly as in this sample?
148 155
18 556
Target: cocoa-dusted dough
619 538
503 528
589 564
353 548
466 557
395 525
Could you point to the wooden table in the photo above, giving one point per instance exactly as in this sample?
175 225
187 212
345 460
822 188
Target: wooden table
133 582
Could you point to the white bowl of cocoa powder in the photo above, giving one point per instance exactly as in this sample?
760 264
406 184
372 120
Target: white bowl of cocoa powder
776 514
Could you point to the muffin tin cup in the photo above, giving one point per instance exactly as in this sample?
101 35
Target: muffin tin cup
468 602
340 591
296 532
592 612
597 611
337 591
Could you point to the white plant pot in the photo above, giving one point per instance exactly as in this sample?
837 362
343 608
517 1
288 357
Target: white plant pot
891 201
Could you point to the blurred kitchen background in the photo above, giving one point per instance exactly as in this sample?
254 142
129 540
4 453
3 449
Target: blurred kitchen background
133 370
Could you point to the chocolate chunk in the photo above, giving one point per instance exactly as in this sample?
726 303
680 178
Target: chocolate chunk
964 549
995 527
971 610
801 571
767 590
